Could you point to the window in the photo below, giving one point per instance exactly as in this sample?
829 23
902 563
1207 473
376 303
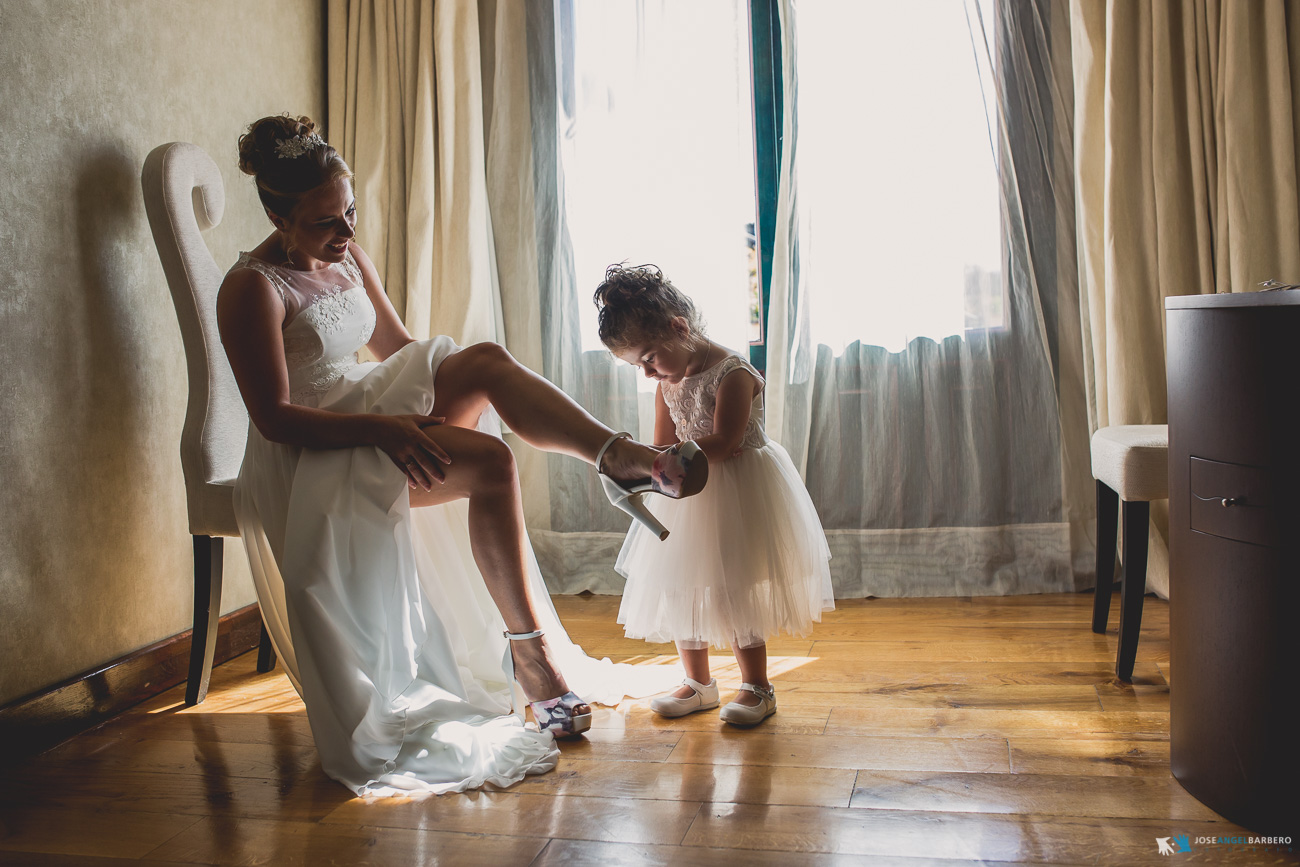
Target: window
898 177
657 150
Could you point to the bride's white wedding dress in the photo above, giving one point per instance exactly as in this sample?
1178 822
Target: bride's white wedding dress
377 610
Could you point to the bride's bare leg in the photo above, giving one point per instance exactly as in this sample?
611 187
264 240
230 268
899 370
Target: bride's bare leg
531 406
484 472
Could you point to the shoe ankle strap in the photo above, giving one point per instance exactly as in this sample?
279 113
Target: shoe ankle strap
600 455
523 636
697 686
762 692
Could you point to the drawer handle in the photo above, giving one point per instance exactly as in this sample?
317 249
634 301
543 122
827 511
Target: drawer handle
1226 502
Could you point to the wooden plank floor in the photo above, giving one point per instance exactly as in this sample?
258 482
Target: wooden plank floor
910 732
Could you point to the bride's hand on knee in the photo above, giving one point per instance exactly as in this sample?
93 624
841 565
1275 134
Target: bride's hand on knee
414 452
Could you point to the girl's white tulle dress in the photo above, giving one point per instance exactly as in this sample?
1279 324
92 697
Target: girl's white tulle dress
745 558
378 611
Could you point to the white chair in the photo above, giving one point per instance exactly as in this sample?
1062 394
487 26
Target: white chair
183 194
1131 466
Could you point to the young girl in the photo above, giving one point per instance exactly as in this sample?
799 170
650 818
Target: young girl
746 558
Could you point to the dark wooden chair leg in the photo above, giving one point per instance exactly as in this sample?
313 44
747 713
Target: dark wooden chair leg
265 652
1137 515
1107 530
207 615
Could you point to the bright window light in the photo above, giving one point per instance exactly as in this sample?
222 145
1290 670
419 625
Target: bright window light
657 151
897 180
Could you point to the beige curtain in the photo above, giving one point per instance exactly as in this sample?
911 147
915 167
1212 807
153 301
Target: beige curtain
1186 164
429 103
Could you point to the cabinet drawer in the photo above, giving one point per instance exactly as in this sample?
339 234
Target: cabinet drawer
1234 501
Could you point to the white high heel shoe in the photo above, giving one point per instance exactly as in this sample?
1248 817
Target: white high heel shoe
564 716
679 471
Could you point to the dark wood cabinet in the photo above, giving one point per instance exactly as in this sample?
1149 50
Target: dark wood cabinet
1234 548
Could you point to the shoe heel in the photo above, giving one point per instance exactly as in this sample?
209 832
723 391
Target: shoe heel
632 504
637 509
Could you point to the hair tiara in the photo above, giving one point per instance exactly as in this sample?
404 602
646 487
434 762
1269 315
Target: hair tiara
292 148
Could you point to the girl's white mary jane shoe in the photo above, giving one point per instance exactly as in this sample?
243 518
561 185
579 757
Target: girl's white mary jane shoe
747 715
704 697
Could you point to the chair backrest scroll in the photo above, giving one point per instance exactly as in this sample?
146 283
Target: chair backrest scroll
184 194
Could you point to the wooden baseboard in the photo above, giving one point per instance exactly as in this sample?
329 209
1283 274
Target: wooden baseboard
44 719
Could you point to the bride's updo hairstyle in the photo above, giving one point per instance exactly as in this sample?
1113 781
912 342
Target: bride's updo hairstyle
637 305
288 159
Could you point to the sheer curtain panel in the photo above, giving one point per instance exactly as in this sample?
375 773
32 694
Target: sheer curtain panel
943 427
642 143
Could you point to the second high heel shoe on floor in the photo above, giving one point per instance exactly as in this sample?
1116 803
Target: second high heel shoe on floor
563 716
679 471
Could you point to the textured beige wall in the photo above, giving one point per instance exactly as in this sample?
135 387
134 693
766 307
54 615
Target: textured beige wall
94 546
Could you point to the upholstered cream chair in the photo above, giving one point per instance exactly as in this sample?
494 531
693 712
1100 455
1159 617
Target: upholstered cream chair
183 194
1131 466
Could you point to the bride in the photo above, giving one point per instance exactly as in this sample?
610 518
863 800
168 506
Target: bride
381 511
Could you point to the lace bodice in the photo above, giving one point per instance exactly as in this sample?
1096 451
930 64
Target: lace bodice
328 317
693 400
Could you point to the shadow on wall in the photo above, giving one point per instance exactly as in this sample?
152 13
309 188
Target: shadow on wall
100 443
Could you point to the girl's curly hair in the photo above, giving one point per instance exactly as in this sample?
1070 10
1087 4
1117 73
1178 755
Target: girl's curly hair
638 304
